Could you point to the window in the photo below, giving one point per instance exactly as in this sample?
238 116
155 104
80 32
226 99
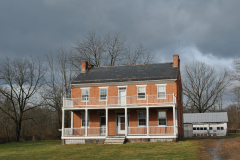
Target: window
210 128
194 128
85 94
83 119
205 128
197 128
141 92
161 91
103 94
162 118
201 128
142 118
218 128
222 128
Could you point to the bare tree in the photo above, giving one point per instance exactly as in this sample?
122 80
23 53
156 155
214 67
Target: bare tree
21 79
90 49
233 116
6 123
139 55
111 49
203 86
116 49
61 73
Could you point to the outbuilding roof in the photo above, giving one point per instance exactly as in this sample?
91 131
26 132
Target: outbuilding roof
155 71
205 117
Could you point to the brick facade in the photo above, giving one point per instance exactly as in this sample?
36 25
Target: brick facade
131 90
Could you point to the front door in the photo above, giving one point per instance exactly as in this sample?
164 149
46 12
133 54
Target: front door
102 125
122 96
121 124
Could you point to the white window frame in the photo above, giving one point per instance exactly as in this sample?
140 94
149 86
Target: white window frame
159 118
145 118
162 85
82 94
137 92
100 94
83 113
119 88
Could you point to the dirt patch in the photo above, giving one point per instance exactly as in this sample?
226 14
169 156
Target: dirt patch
206 149
219 148
230 149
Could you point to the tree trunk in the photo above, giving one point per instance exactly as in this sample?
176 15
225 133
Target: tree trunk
18 131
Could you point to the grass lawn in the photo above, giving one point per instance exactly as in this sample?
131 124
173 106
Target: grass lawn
233 135
186 149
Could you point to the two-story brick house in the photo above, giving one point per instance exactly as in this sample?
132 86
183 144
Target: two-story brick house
137 102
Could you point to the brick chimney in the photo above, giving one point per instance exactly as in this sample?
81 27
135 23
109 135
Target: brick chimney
176 61
90 66
84 66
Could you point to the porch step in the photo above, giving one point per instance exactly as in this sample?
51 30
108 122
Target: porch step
115 140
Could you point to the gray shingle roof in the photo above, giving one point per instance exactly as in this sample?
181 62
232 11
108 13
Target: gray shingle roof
128 73
205 117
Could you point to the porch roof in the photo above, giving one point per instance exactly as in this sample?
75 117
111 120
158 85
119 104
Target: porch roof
155 71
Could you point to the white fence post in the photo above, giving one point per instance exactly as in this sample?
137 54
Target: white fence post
173 98
63 122
106 122
147 99
63 103
86 122
126 122
106 100
147 108
71 122
174 120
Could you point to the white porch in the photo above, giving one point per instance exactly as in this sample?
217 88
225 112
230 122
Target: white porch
101 132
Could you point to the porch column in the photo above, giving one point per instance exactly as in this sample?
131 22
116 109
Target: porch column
72 122
126 122
86 122
174 118
106 122
177 120
63 117
147 111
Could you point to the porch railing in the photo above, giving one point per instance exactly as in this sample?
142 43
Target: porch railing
161 130
101 131
119 101
95 131
74 131
153 130
91 131
137 130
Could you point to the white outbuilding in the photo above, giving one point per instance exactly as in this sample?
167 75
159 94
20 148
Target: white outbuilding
205 124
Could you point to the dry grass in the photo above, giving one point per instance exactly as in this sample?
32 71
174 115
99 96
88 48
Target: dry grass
230 149
186 149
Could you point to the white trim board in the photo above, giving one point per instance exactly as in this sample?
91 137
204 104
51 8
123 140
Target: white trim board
104 137
123 83
119 107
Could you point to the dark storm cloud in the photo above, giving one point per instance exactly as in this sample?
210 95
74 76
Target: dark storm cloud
37 27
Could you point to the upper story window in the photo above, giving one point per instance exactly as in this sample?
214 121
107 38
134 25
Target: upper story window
161 91
142 118
103 94
162 118
85 94
141 92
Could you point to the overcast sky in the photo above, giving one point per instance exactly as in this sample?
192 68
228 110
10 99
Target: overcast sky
196 30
